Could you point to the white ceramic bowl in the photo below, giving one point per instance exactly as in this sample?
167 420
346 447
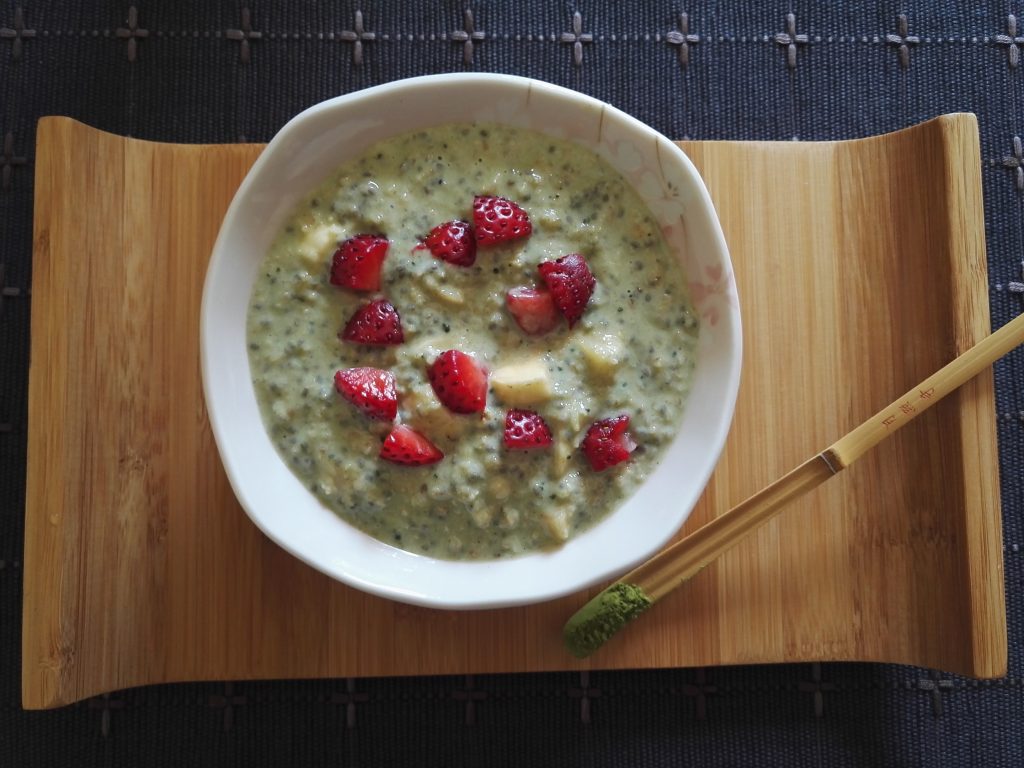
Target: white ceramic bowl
299 158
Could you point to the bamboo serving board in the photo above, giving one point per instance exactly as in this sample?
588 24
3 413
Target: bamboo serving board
861 267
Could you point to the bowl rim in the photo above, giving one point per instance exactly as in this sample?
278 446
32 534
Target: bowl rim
221 430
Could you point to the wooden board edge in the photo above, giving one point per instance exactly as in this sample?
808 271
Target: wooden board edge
979 438
42 619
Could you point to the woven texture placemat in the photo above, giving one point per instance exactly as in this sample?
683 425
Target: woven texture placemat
212 71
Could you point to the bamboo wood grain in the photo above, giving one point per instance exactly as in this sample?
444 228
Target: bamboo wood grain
674 565
679 562
861 267
923 396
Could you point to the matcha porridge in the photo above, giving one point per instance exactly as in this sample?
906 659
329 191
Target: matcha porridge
472 342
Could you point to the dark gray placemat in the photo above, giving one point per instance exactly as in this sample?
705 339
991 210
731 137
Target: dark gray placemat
228 71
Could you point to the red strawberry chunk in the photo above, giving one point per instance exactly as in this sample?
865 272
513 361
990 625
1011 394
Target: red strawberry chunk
498 219
533 309
358 261
607 442
526 430
375 323
404 445
453 242
459 382
371 390
571 284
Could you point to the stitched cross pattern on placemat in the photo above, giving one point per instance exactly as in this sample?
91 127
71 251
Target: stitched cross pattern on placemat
817 687
699 690
683 38
1015 162
106 703
4 289
903 39
349 699
358 36
1011 40
132 33
1017 286
935 685
9 161
790 39
18 33
577 37
470 695
468 35
585 692
243 36
227 702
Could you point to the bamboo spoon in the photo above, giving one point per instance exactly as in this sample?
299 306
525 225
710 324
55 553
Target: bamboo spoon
591 626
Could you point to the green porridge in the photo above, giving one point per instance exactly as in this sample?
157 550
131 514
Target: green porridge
631 352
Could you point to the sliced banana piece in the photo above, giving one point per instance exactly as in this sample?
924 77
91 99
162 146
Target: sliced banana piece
426 413
558 520
318 244
561 453
525 382
603 353
440 290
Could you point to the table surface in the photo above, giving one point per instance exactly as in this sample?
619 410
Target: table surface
195 71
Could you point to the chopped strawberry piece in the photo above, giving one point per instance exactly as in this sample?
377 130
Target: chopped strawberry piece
371 390
571 284
526 430
459 382
375 323
358 261
533 309
607 442
453 242
498 219
404 445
